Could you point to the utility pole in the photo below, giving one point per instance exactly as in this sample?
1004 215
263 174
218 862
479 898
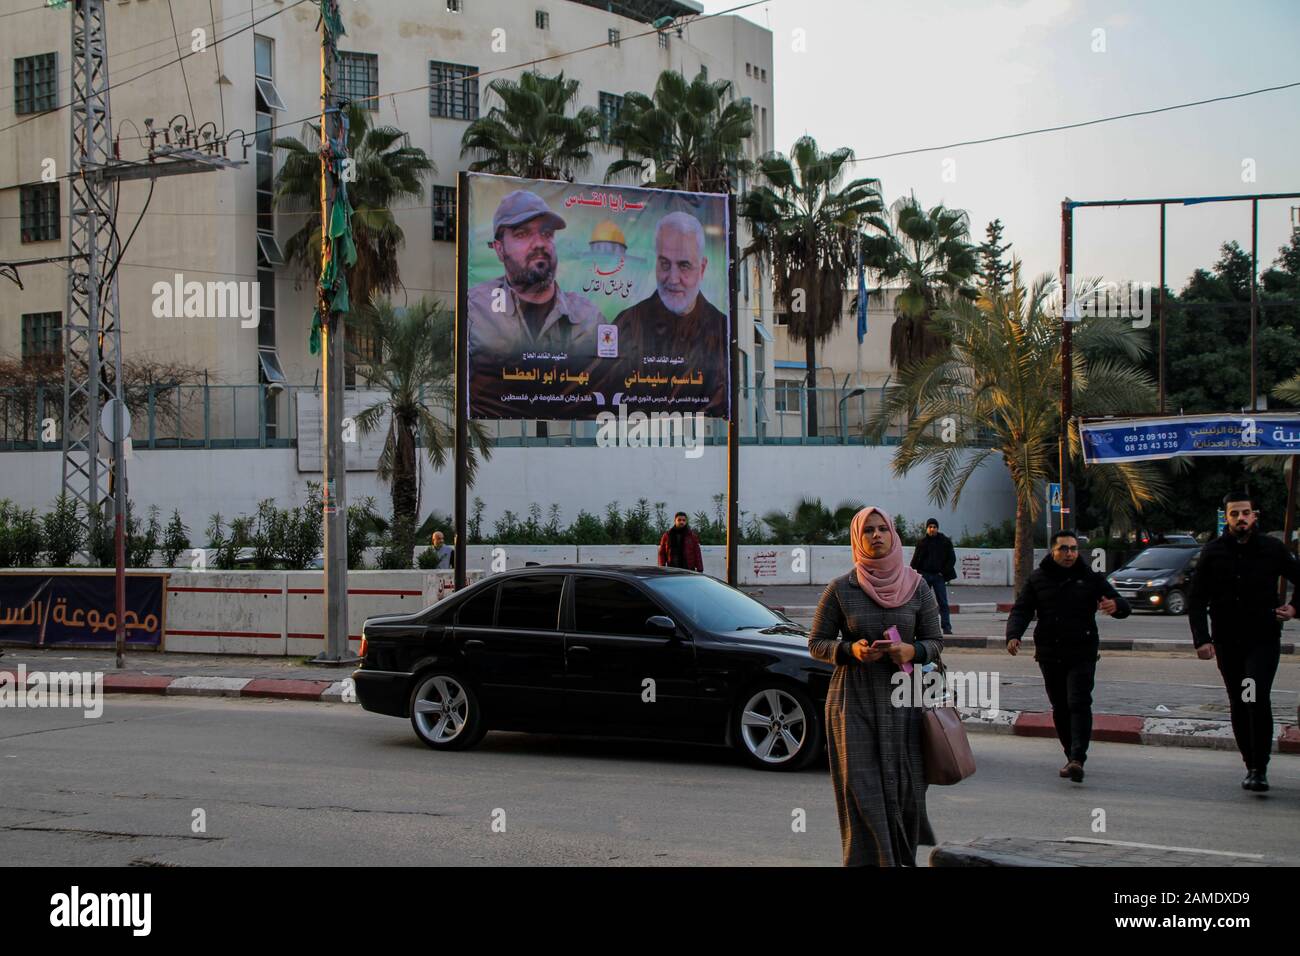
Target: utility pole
332 303
1069 312
92 365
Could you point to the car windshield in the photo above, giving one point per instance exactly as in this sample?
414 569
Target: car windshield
1159 559
713 605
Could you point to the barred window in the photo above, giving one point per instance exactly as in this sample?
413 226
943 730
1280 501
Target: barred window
543 20
36 83
359 79
613 37
453 90
610 108
444 213
663 40
39 212
42 335
454 6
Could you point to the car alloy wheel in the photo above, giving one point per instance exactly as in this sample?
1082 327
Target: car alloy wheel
774 727
1175 603
445 712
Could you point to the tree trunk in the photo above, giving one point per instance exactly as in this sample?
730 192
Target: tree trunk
1024 554
404 494
810 356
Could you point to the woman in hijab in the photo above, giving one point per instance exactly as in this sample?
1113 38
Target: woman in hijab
875 747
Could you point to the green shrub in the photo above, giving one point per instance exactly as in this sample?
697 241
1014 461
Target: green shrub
176 539
64 532
141 544
21 537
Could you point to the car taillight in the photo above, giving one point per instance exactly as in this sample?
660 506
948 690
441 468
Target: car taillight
362 652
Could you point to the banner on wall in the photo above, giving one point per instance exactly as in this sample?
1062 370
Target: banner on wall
47 609
584 298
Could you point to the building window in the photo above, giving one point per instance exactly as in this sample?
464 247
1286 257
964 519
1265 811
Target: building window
444 213
39 212
36 83
264 170
613 37
263 56
42 335
789 396
748 70
543 20
782 319
663 40
610 108
454 6
359 79
453 90
267 96
764 74
704 72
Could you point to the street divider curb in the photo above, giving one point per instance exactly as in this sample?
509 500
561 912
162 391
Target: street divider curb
1110 728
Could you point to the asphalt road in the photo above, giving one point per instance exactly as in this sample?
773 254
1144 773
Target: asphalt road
285 783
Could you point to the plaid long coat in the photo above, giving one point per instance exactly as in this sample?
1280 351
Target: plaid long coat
876 763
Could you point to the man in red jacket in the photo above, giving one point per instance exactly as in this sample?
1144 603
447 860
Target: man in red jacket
680 546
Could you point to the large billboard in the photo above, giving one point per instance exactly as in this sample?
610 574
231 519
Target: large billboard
582 298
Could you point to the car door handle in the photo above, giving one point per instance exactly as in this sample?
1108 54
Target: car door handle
473 645
574 648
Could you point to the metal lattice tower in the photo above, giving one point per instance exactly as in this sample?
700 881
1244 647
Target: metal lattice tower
92 367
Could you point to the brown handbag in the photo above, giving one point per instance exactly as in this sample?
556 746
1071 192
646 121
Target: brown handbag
944 744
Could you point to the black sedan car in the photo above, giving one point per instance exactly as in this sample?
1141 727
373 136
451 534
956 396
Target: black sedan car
1158 578
646 652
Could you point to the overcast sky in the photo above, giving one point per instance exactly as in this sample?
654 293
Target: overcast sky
887 75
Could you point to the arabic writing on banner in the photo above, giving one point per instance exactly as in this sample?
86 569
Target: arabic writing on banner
583 298
46 609
1146 439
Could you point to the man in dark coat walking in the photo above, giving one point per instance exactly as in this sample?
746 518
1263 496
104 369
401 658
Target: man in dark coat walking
1066 595
936 559
1236 580
680 546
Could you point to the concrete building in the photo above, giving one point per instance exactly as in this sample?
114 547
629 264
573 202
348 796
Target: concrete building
264 78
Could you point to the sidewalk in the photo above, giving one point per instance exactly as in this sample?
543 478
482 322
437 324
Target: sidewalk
1083 851
206 675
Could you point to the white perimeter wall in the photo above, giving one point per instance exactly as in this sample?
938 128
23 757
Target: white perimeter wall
200 482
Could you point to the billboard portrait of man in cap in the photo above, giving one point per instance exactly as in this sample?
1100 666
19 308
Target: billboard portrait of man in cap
524 309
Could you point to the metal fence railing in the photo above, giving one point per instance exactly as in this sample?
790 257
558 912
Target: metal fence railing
263 416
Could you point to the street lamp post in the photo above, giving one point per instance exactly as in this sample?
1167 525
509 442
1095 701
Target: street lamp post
853 393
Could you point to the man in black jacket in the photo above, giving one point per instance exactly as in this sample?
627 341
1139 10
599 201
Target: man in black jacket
1236 579
1066 595
936 560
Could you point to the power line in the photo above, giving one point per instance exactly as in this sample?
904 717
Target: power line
514 66
1065 126
181 61
114 55
185 56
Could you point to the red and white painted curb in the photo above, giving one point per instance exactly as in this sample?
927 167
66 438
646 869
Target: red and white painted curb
1110 728
1126 729
336 691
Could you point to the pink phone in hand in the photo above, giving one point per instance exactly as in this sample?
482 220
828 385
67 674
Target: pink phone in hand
892 635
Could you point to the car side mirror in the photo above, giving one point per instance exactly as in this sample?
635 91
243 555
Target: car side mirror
661 622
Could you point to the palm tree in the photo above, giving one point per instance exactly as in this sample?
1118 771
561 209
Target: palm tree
531 133
806 227
415 376
928 251
691 136
812 522
998 376
388 171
